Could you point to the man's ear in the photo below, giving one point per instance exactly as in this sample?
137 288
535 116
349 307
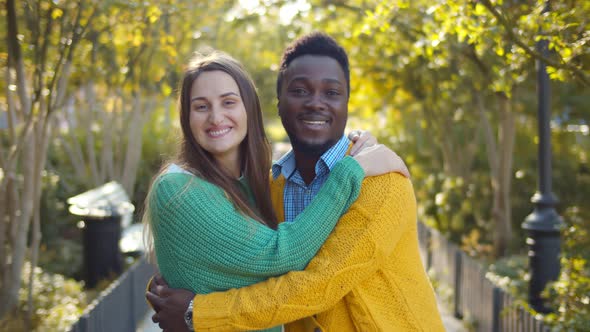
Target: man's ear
278 106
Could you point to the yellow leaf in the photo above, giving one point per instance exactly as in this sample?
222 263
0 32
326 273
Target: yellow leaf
137 39
56 13
480 9
166 89
103 38
154 13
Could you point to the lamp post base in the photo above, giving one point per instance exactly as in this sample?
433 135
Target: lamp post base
543 226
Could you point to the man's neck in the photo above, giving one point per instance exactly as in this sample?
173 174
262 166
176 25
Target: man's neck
305 164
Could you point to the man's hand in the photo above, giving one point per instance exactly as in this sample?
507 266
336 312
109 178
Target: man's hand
170 305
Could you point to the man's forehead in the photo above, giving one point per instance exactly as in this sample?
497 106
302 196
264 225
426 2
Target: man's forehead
316 65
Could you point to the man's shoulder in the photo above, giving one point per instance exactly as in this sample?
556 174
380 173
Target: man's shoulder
394 179
387 189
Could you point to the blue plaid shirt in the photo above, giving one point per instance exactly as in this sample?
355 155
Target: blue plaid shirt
297 194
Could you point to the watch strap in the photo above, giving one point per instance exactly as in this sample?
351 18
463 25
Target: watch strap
188 316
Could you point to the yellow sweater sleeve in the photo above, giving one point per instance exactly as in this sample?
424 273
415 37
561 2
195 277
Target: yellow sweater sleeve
363 238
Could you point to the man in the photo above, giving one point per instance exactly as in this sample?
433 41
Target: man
368 275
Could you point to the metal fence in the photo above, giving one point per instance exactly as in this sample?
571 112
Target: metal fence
121 306
474 296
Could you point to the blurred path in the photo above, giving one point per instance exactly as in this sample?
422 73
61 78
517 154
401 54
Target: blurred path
146 325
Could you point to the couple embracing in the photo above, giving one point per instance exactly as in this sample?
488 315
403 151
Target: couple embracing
325 241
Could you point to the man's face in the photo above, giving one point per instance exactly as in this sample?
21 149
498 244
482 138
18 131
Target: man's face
313 103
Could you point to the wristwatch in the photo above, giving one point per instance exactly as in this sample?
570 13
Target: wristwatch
188 316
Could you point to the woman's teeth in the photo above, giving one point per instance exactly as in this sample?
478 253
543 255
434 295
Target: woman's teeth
219 132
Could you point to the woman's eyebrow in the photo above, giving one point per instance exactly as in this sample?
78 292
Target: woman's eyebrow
223 95
229 94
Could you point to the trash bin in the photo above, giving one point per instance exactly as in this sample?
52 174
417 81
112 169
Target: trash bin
102 210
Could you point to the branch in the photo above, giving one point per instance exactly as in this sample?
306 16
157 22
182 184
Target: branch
581 75
15 50
41 55
15 54
77 32
10 102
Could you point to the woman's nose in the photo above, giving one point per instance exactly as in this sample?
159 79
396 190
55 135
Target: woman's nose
215 116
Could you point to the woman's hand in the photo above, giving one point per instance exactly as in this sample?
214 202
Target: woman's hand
379 159
361 139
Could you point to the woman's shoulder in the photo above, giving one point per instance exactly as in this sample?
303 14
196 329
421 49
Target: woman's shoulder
174 179
174 174
175 169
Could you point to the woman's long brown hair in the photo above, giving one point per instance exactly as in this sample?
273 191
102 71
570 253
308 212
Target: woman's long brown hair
255 151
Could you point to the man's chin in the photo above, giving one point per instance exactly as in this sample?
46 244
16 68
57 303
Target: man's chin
312 148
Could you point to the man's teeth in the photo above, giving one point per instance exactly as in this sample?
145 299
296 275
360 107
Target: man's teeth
219 132
314 122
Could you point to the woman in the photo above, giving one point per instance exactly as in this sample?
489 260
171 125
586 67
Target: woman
210 212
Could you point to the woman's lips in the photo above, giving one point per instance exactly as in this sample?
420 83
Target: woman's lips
218 132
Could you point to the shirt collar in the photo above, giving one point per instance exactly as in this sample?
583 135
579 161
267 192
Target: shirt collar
286 164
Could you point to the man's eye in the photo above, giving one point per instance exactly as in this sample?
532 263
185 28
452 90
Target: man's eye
298 91
333 93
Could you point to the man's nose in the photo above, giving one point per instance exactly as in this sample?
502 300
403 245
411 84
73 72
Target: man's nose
316 102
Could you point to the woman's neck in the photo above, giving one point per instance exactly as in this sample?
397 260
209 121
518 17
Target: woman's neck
231 163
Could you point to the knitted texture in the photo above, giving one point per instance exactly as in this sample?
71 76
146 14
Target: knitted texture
203 244
368 276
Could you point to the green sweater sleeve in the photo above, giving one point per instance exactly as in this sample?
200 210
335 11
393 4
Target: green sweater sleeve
203 244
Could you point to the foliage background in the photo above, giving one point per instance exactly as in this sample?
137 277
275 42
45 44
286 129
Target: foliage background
449 85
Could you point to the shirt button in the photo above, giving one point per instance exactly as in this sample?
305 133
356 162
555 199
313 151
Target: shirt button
317 329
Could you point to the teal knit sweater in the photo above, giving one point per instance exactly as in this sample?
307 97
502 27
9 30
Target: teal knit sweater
204 244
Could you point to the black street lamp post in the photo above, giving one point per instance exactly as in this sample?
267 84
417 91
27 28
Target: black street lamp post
543 224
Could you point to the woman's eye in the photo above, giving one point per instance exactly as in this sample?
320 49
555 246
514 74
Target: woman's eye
200 108
230 102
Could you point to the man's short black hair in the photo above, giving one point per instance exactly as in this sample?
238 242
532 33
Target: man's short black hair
316 43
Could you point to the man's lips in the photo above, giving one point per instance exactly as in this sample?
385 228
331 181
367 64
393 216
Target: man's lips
314 120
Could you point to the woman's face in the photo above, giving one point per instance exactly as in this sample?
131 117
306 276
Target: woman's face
218 118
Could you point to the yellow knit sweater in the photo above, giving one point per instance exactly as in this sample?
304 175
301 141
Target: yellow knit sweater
368 275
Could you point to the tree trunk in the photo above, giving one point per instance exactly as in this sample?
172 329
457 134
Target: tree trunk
42 143
107 165
19 244
90 96
134 142
500 156
506 137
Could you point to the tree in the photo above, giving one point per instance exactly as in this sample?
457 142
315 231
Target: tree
42 40
466 68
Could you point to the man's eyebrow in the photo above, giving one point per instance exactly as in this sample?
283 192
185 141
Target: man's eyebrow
223 95
305 78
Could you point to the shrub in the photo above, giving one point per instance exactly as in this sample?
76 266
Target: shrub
58 302
570 294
